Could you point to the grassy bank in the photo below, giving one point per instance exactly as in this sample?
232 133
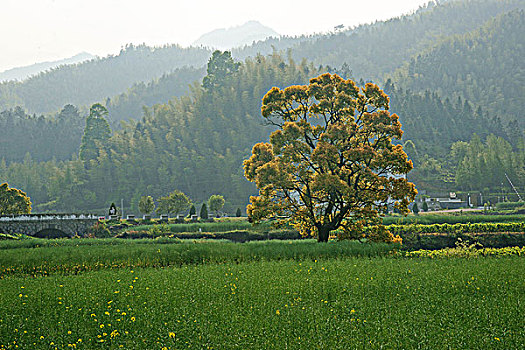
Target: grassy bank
81 255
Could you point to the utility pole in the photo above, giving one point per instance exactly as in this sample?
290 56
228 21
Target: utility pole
514 188
122 208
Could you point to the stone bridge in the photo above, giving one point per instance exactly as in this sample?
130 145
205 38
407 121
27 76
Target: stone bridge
48 225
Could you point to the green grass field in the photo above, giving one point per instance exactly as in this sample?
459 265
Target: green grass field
350 303
156 294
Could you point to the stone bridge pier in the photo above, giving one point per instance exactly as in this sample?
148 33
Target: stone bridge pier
37 224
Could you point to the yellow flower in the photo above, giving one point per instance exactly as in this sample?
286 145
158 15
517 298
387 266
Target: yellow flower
277 312
172 335
133 319
101 325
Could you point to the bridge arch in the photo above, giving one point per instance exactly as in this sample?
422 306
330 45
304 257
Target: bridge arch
51 232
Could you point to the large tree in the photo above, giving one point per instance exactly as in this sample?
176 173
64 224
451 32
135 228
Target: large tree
13 201
331 162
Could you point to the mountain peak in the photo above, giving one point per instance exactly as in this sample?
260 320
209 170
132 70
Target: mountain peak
228 38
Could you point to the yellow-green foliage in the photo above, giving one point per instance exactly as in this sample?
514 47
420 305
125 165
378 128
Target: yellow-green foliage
457 228
321 171
13 201
468 252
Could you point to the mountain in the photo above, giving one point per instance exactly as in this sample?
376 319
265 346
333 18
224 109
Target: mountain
373 50
97 79
22 73
485 66
369 51
228 38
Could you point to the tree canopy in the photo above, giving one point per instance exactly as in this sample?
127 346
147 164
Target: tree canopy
216 202
174 203
331 163
146 204
220 66
13 201
96 133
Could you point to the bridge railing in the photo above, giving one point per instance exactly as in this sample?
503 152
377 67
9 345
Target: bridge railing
47 217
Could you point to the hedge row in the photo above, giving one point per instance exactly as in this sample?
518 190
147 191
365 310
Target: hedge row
234 236
509 205
487 240
457 228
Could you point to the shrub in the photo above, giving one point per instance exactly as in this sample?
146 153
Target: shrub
99 230
204 212
489 240
6 236
238 213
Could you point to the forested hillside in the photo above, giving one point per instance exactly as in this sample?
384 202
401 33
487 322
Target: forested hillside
373 50
486 66
129 105
44 137
98 79
197 143
370 51
38 137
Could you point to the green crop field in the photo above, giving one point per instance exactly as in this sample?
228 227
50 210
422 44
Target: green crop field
305 298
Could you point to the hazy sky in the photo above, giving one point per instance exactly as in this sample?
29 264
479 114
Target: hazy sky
44 30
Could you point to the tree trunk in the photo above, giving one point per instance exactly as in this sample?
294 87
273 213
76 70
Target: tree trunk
322 234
